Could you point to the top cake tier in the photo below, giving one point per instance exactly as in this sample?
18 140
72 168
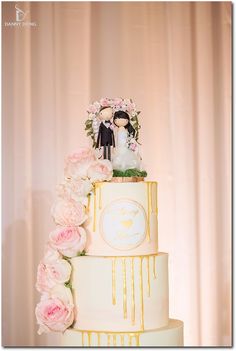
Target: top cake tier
122 219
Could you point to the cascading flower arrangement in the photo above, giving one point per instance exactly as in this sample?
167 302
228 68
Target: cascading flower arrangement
117 104
55 311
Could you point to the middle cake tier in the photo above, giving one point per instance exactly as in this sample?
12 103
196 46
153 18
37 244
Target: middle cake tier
122 219
120 293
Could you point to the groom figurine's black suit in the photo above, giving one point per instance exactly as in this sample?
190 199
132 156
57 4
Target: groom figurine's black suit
105 139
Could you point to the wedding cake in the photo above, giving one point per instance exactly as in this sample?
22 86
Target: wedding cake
102 278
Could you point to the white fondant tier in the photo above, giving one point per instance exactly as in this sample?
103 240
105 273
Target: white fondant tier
171 335
122 219
121 293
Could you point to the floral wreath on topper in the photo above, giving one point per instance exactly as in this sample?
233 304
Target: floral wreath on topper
117 104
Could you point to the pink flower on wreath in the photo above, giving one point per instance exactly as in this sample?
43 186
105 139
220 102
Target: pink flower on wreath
54 314
69 241
69 213
105 102
76 164
100 170
51 274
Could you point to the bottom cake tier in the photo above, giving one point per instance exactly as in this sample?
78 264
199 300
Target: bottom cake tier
171 335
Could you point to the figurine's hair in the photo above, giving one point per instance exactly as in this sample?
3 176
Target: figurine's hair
104 107
122 114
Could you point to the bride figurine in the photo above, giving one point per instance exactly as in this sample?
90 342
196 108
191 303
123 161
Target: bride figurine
123 157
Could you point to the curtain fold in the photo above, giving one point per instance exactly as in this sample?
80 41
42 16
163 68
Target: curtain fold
174 60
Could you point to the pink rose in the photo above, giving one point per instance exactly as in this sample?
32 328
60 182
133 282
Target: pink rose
105 102
75 189
51 255
69 241
117 101
50 274
69 213
100 170
54 314
76 164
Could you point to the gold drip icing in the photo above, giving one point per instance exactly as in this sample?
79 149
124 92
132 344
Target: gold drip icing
99 339
132 293
137 339
141 292
124 288
108 340
130 339
88 205
148 276
82 338
154 267
99 187
122 341
89 338
155 197
114 339
95 209
113 281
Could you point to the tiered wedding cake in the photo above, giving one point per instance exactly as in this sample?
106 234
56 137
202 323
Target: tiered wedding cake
102 279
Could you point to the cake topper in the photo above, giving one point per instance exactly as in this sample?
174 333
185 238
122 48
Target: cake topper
92 124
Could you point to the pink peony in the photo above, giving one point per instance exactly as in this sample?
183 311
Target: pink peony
100 170
76 164
69 213
69 241
50 274
54 314
75 189
105 102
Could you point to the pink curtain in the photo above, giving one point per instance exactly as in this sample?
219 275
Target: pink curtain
174 60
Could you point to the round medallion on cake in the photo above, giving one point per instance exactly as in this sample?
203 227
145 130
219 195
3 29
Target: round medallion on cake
123 224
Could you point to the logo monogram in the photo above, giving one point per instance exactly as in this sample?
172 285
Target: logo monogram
20 14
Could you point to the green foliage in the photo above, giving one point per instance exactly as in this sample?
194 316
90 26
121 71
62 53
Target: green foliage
68 285
129 173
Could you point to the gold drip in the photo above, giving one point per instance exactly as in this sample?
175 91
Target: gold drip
99 339
148 212
113 281
141 292
130 339
88 205
137 339
124 288
89 338
82 338
100 196
94 209
148 276
122 340
132 292
155 194
154 267
108 340
114 339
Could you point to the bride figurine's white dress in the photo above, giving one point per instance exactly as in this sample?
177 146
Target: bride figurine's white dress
123 157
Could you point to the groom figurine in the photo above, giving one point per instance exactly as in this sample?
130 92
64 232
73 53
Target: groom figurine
105 133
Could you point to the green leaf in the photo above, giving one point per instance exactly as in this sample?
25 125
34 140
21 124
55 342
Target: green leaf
68 285
83 253
129 173
90 133
88 122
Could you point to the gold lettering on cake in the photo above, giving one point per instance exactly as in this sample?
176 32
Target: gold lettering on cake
127 223
132 293
113 281
148 276
154 267
141 292
124 288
